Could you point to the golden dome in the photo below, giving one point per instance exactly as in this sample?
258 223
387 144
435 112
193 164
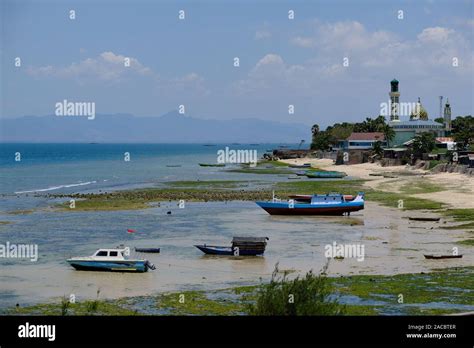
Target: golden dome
419 113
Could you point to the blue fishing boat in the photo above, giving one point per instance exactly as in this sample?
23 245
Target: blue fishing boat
241 246
329 204
110 260
325 175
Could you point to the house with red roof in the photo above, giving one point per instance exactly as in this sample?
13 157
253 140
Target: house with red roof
361 141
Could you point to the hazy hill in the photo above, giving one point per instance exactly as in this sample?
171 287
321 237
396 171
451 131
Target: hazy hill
169 128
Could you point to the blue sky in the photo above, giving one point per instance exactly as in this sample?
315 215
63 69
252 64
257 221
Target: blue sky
282 61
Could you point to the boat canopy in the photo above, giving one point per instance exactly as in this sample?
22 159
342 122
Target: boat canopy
244 240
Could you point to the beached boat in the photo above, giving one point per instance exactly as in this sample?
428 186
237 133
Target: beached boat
241 246
147 250
305 165
212 165
329 204
325 175
110 260
439 257
424 219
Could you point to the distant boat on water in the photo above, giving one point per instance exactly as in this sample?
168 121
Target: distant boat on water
325 175
241 246
212 164
110 260
173 165
329 204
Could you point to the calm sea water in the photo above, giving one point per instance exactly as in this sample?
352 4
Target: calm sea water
80 167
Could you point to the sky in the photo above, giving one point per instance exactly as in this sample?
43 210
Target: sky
282 61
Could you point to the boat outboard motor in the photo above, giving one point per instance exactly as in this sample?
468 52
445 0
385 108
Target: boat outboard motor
150 265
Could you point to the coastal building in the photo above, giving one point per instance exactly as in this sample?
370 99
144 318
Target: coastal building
361 141
418 121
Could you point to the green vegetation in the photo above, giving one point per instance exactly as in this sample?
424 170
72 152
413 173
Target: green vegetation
421 186
5 222
469 242
209 184
64 307
319 186
463 131
466 216
310 295
451 286
460 214
201 303
423 143
323 140
409 203
264 167
20 212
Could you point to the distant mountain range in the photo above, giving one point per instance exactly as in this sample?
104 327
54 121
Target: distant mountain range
169 128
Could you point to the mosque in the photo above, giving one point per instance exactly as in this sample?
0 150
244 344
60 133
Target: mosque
418 121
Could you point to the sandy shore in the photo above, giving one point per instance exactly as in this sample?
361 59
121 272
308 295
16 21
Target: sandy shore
458 189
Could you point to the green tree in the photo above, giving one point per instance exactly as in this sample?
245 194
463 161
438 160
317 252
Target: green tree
463 131
423 143
439 120
321 141
377 148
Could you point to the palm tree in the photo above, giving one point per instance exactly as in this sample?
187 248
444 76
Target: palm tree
388 133
377 148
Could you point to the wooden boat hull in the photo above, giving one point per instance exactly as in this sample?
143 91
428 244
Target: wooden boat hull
423 219
110 266
309 209
228 251
147 250
211 165
440 257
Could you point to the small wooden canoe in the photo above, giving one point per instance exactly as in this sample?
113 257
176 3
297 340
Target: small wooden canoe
423 219
439 257
212 165
147 250
325 175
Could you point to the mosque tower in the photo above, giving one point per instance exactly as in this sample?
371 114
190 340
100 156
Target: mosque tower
394 100
447 115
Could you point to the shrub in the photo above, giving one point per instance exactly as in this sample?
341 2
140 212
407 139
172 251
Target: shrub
310 295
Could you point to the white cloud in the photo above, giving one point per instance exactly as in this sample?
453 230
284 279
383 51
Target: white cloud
108 66
305 42
262 34
436 35
371 54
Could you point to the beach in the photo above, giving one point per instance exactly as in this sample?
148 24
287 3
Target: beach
457 189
